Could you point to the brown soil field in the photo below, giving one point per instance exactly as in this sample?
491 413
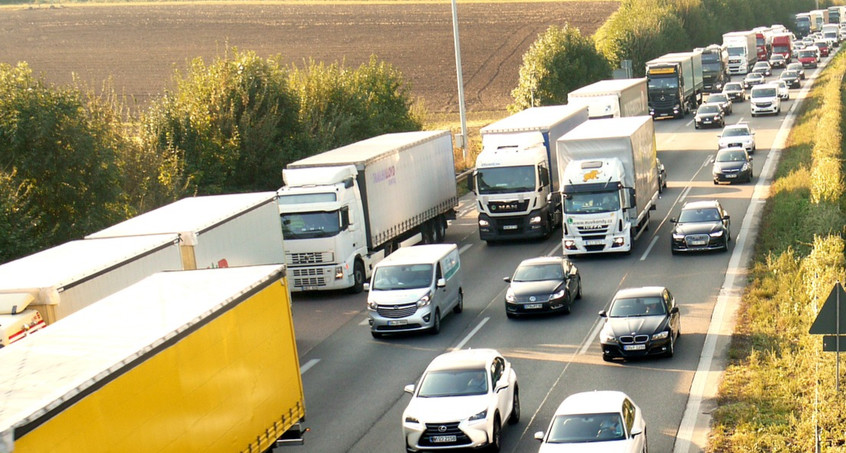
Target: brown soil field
138 46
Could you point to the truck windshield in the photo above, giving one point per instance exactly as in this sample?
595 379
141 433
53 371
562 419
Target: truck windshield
406 276
505 179
663 83
305 225
736 51
591 202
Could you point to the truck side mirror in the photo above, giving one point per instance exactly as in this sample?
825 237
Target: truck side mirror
471 179
345 217
544 177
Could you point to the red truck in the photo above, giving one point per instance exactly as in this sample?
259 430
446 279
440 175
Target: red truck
762 44
783 44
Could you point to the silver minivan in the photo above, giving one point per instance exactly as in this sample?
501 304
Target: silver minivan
413 288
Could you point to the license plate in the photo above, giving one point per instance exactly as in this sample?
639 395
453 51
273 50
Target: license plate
594 242
309 288
398 322
532 306
634 347
442 439
509 227
697 242
706 121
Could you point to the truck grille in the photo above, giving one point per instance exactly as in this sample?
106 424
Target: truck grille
309 277
396 311
299 259
594 231
510 206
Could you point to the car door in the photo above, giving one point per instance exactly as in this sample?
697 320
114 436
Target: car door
572 281
503 397
670 303
629 415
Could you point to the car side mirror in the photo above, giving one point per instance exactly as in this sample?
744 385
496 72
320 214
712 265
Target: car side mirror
441 283
501 387
674 310
727 217
366 287
636 431
539 436
673 220
603 314
506 279
408 388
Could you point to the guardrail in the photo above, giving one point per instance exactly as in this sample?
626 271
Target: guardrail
462 177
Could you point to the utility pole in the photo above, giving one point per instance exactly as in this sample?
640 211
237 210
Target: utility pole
460 82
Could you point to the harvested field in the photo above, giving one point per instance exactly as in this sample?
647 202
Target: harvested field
138 46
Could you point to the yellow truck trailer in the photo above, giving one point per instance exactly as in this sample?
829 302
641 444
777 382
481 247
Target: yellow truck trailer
182 361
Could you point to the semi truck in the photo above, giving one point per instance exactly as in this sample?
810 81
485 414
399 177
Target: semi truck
783 45
835 14
609 183
763 42
515 180
201 360
714 68
62 280
214 231
741 47
675 84
803 24
612 98
819 17
344 210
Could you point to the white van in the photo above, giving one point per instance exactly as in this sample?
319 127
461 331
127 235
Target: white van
764 99
17 326
413 288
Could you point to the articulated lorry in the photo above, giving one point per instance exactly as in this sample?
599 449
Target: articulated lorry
835 14
609 183
803 24
214 231
763 42
64 279
819 17
714 68
612 98
675 84
344 210
515 180
783 45
182 361
742 50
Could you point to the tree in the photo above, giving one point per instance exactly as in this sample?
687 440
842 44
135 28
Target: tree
559 61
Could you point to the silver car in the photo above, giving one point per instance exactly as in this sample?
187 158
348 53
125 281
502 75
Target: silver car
740 134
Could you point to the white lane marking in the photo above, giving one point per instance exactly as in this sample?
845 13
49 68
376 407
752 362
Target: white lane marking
709 160
464 248
470 335
591 336
689 123
554 249
648 249
365 322
308 365
684 193
727 301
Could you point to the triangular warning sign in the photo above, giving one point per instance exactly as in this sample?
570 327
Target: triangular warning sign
826 322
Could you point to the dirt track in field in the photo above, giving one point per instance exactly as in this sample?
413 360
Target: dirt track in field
139 46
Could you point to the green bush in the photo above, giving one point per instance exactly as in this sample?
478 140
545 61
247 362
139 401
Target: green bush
559 61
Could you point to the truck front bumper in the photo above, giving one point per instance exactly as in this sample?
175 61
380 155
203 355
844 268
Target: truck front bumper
319 278
577 245
529 226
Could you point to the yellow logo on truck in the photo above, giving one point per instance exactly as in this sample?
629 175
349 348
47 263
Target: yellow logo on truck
591 175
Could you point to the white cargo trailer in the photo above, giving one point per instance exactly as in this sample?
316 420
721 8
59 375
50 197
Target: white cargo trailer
345 209
612 98
215 231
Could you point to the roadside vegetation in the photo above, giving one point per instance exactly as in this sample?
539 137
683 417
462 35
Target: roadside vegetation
780 386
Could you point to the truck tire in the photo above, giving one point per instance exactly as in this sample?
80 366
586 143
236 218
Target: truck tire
439 224
358 277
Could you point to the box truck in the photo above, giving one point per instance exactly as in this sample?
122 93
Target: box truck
344 210
763 42
741 47
515 180
819 17
201 360
609 183
215 231
69 277
714 68
675 84
612 98
783 45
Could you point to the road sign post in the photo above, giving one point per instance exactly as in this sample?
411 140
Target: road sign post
829 323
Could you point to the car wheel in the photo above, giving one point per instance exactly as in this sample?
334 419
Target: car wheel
496 437
671 349
695 126
376 335
515 407
459 307
607 358
579 289
436 323
510 315
358 277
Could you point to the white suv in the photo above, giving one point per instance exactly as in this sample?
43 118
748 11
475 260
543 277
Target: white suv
765 99
740 135
461 401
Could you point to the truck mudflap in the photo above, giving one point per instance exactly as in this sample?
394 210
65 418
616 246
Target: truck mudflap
515 227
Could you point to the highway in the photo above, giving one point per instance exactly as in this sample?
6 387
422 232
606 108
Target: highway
354 383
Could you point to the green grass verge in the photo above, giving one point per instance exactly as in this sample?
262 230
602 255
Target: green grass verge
779 387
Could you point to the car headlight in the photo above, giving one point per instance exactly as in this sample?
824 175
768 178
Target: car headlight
744 167
509 295
410 419
717 234
661 335
558 294
607 336
425 300
372 305
678 237
480 416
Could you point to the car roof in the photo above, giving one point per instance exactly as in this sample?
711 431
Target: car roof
701 204
743 126
543 260
463 358
640 292
595 402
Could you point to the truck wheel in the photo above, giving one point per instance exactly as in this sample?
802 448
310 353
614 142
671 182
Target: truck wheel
439 228
428 232
358 277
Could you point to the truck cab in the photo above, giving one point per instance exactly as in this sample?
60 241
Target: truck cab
321 214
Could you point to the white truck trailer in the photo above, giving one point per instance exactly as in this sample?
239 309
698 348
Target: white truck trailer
69 277
612 98
609 183
516 178
214 231
345 209
182 361
742 49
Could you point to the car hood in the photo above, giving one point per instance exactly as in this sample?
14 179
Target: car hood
544 287
397 296
636 325
724 141
616 446
723 166
697 227
446 409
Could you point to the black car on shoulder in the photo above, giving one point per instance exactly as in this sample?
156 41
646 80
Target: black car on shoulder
640 322
542 285
701 226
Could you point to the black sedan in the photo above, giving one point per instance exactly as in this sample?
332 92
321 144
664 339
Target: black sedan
542 285
732 165
701 226
791 78
724 100
709 115
640 322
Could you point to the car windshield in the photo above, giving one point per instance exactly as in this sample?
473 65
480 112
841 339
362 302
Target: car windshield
591 202
731 155
407 276
709 109
637 306
735 132
788 74
733 87
699 215
567 429
754 76
462 382
538 272
764 93
506 179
